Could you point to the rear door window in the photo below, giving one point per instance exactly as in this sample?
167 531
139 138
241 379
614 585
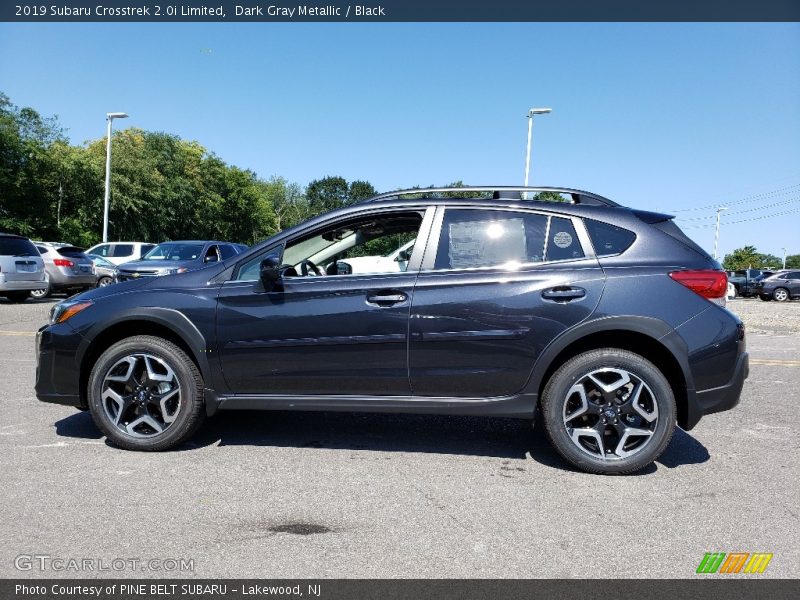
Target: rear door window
562 241
490 238
122 250
227 251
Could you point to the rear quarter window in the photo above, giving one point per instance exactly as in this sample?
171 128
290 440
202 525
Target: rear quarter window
608 239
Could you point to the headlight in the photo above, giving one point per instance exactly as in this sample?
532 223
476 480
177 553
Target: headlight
67 309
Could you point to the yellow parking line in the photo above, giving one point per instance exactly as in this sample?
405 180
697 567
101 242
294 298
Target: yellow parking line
25 333
775 362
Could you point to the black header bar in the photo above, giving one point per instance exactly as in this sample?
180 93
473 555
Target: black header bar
384 11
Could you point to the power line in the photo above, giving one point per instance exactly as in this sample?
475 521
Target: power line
778 192
746 210
778 214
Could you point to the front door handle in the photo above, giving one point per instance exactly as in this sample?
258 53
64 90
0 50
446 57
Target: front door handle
387 298
563 293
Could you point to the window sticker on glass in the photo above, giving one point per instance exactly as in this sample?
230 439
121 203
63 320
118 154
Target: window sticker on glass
562 239
482 243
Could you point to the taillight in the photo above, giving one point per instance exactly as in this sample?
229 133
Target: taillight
706 282
63 262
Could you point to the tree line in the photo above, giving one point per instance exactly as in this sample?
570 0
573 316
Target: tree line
747 257
162 187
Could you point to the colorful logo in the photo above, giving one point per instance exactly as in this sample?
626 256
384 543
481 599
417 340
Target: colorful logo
735 562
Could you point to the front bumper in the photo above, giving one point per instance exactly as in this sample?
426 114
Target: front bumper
57 371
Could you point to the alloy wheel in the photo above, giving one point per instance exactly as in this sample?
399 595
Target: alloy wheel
781 295
141 395
610 414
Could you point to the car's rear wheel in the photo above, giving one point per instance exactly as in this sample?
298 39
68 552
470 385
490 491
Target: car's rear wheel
18 296
781 294
609 411
42 293
145 393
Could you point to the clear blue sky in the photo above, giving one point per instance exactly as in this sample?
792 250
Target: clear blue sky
658 116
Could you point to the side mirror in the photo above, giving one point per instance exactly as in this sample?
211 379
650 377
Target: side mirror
210 258
403 256
270 271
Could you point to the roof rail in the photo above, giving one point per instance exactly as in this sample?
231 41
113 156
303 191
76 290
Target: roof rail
502 192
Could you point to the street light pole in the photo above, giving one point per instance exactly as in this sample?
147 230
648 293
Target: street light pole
784 257
716 233
109 117
531 113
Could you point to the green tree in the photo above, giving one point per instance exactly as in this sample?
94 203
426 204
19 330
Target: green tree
792 261
328 193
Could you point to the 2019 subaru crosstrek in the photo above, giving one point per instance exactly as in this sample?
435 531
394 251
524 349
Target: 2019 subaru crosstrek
606 320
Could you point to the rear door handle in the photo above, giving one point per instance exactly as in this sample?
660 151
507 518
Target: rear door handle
563 293
386 298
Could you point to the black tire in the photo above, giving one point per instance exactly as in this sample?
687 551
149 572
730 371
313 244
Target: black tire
104 281
17 297
45 293
190 411
781 294
557 395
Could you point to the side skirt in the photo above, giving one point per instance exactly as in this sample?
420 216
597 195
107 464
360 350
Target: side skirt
521 406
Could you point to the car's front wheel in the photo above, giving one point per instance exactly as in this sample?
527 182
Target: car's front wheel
609 411
104 281
145 393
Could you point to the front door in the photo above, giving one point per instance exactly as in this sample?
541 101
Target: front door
324 329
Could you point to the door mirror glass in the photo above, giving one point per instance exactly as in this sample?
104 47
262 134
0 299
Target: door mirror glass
403 256
270 271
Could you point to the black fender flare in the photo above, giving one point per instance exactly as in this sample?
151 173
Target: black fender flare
656 329
169 318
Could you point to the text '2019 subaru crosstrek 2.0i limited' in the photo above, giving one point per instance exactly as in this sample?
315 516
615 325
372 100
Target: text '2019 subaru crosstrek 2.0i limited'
607 321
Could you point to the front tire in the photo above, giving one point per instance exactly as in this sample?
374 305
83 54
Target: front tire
104 281
609 411
145 393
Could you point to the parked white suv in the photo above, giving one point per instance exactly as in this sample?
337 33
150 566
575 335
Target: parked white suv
121 252
21 268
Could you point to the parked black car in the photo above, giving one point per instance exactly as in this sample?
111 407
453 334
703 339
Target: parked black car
780 286
745 280
608 319
170 258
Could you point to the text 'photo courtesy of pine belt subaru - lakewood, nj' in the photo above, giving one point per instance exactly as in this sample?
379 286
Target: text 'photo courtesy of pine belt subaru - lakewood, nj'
605 322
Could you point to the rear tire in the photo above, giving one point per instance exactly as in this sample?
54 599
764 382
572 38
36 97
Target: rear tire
145 393
39 294
609 411
17 297
781 294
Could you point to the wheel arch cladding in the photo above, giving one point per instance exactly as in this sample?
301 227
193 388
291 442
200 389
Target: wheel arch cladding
182 334
651 347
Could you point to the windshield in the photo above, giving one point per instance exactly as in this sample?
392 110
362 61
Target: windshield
174 251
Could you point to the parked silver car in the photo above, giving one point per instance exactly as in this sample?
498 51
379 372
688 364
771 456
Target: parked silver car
21 268
67 269
105 270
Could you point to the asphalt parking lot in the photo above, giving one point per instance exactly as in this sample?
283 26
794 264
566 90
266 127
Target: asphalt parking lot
282 495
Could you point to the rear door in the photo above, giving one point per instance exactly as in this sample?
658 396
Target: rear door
496 287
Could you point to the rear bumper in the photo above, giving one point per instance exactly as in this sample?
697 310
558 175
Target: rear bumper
63 281
721 398
21 286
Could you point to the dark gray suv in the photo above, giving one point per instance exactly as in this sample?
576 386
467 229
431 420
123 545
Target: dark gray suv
607 321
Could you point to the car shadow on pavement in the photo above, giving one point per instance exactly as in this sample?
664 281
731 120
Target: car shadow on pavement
473 436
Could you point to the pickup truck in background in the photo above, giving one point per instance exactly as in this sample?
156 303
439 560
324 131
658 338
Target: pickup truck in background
744 279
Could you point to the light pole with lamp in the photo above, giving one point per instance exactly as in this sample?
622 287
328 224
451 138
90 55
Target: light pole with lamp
716 233
784 257
109 117
531 113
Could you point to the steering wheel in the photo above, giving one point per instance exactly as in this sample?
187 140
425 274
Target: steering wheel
307 266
